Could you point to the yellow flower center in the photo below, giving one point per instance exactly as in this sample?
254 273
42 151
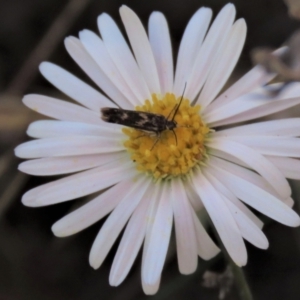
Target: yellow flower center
164 155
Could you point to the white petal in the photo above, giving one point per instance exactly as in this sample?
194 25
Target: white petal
249 230
66 164
122 57
206 247
74 87
281 146
151 289
245 102
253 79
227 157
257 104
289 167
206 56
245 174
96 48
156 196
160 42
61 110
131 241
158 241
264 110
189 47
284 127
90 67
93 211
141 48
256 161
193 197
289 202
68 146
224 63
78 185
116 222
257 197
222 189
52 128
186 240
222 219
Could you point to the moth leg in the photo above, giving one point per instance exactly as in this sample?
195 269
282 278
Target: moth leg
175 136
145 133
157 139
140 136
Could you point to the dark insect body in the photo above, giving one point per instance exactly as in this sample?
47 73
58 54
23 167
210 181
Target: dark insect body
144 121
137 119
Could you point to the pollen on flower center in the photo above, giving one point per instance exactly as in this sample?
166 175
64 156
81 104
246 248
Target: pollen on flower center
160 155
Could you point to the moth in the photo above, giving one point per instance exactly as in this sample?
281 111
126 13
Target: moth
145 121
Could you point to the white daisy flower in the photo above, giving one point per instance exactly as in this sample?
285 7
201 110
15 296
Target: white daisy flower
149 180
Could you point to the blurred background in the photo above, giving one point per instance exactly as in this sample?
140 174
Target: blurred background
36 265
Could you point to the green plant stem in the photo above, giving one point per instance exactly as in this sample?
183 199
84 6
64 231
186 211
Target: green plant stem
240 281
238 273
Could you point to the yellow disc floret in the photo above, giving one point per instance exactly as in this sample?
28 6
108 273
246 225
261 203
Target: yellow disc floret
166 155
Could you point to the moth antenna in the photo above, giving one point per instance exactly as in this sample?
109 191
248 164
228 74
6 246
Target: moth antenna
177 106
171 112
157 139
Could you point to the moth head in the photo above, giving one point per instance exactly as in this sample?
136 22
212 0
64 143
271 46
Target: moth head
170 125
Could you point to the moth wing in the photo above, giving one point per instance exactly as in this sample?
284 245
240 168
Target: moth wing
134 119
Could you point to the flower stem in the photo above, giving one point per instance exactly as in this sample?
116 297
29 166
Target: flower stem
240 281
238 273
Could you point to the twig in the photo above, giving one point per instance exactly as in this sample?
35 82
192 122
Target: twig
46 46
17 182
